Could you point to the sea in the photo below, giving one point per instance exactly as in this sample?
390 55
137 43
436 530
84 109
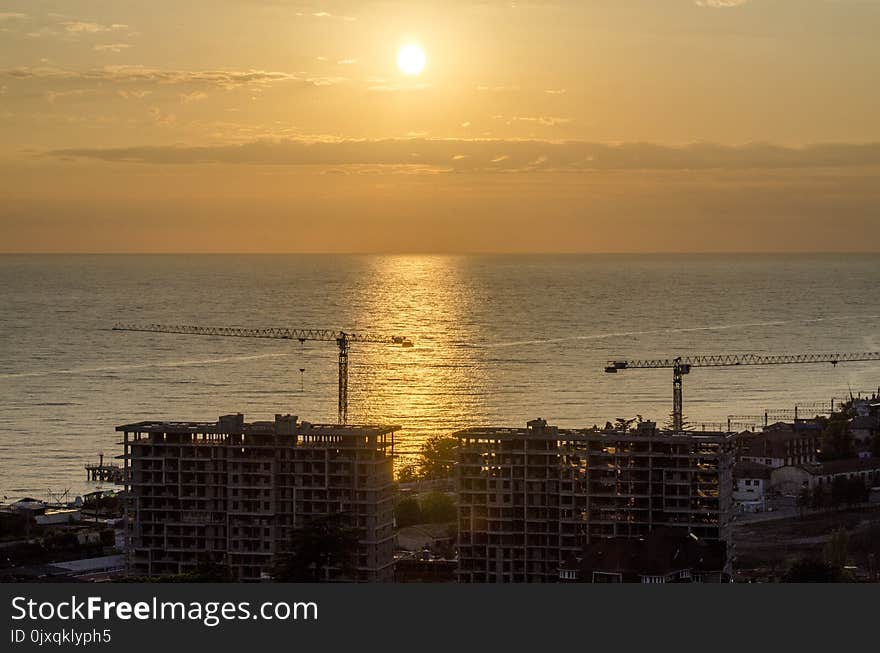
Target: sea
498 340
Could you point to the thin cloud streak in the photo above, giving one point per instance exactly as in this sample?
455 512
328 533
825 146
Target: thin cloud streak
720 4
495 154
80 27
144 74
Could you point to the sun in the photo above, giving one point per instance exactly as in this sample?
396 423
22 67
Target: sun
411 59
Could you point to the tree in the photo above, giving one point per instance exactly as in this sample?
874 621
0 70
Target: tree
837 441
438 508
438 457
811 571
819 498
408 512
205 572
323 543
856 491
670 422
408 473
804 499
837 549
839 490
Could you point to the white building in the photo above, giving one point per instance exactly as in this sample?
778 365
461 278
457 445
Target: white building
751 482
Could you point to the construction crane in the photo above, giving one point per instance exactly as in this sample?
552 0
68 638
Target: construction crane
682 365
342 339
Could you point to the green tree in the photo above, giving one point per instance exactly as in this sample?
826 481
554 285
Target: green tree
836 550
819 497
685 424
438 457
323 543
408 473
856 491
407 512
804 499
839 491
438 508
811 571
205 572
837 441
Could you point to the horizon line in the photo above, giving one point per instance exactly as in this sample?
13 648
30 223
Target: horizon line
452 253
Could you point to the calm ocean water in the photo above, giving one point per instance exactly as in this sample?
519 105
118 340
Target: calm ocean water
499 340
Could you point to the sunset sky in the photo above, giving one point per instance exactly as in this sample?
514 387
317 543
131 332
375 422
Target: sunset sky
535 126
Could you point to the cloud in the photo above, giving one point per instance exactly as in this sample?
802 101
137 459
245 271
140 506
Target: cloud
133 95
161 117
51 96
720 4
111 47
143 74
11 15
547 121
496 154
80 27
325 14
195 96
496 89
556 91
347 62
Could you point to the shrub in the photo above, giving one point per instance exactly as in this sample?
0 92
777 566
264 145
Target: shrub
438 508
408 512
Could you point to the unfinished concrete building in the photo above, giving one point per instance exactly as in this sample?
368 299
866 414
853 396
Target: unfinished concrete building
532 498
231 492
519 505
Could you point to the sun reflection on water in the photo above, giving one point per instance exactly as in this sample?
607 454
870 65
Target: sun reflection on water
436 386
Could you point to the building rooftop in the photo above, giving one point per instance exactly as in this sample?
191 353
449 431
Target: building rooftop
789 427
842 466
539 428
746 469
88 565
235 424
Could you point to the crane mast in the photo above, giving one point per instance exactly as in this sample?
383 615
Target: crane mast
342 339
682 365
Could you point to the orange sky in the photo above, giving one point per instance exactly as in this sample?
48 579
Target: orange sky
593 126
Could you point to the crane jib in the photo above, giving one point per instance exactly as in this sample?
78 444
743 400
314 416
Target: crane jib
280 333
341 338
724 360
682 365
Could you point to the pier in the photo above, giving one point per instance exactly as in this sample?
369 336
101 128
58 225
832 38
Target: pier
104 472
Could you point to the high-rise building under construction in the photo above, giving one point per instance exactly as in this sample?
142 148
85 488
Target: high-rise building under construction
231 493
531 498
